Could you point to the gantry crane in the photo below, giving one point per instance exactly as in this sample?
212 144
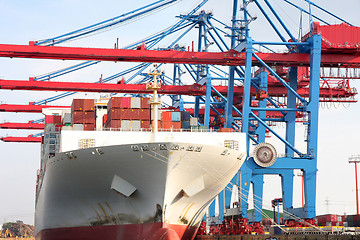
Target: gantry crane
278 74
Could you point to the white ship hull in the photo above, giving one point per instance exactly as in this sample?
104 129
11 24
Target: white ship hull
133 191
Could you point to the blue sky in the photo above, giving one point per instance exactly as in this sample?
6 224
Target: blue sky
24 21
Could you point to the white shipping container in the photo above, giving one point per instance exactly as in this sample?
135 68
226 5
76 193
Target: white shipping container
66 118
135 125
193 121
126 125
135 102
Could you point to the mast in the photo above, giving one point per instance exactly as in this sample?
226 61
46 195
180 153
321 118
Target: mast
155 101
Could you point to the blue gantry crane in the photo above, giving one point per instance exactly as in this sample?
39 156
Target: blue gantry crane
250 111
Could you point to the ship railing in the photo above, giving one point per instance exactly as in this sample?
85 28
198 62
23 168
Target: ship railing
160 130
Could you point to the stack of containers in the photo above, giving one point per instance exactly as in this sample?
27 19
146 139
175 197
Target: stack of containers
83 112
175 120
329 220
353 220
128 113
185 120
145 113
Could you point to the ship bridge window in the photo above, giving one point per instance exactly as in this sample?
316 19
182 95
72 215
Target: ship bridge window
86 143
231 144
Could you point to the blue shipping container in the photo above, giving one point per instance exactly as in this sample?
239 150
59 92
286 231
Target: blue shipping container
185 124
185 116
176 116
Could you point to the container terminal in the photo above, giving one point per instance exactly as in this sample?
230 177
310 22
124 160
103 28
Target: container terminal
181 150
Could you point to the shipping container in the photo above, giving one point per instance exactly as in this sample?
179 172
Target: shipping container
114 124
185 124
83 117
83 105
145 103
135 102
145 124
144 114
176 116
66 119
104 119
88 105
202 128
89 127
193 122
176 125
166 116
135 125
166 125
185 116
52 119
77 105
119 102
89 117
126 125
77 117
194 128
225 130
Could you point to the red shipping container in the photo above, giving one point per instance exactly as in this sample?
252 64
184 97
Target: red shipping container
115 124
88 105
80 117
52 119
144 114
114 114
119 102
145 103
89 127
130 114
145 124
166 116
89 117
77 117
77 105
104 119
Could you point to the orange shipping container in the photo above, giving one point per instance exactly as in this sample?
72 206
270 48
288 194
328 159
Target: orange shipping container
176 125
166 125
166 116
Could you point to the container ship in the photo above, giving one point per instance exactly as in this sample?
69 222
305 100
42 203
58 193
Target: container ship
121 168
